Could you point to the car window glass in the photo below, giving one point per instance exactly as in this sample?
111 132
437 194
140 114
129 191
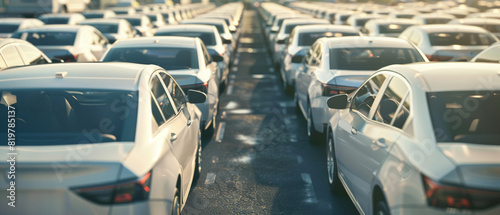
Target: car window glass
492 55
364 98
390 111
12 56
162 99
31 55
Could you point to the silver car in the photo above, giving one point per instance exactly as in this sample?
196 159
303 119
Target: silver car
186 59
70 43
112 29
340 65
112 138
15 52
11 25
407 142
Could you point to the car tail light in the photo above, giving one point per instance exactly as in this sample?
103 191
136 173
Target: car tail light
438 57
330 90
120 192
452 196
203 87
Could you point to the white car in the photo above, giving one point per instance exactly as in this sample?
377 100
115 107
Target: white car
210 37
11 25
340 65
107 138
186 59
301 39
407 142
112 29
489 55
15 52
449 42
70 43
390 27
226 36
141 23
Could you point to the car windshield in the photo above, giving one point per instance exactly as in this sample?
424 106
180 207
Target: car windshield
467 117
8 28
460 38
371 58
65 117
111 28
47 38
167 58
55 20
207 38
393 28
307 39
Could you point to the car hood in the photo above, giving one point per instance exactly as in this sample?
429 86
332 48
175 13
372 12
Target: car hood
349 78
477 165
52 167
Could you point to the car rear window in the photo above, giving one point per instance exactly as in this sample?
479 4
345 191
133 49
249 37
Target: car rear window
307 39
134 21
393 28
460 38
207 38
360 58
55 20
110 28
431 21
8 28
93 15
47 38
167 58
66 117
467 117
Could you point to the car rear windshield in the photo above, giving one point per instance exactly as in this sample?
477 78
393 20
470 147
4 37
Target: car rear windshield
134 21
47 38
93 15
8 28
65 117
111 28
460 38
220 27
167 58
467 117
371 58
393 28
307 39
207 38
55 20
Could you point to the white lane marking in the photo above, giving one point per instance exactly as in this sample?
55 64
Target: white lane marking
230 87
245 159
210 178
236 61
233 76
261 76
231 105
246 139
246 40
220 131
299 159
234 69
309 189
240 111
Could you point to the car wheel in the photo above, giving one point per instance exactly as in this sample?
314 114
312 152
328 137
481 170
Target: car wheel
331 160
176 204
381 208
314 135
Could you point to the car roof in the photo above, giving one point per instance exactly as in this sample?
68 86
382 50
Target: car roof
105 76
449 28
324 27
362 41
15 20
110 21
46 28
459 76
476 21
393 21
194 28
50 15
165 41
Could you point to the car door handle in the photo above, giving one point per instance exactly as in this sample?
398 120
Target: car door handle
354 131
173 137
381 143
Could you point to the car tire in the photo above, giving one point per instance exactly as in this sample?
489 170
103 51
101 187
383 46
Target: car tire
314 136
176 204
381 208
331 163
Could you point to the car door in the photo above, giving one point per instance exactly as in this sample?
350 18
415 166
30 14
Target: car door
305 75
352 130
378 133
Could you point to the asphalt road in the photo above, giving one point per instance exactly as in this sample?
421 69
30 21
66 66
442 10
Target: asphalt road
260 160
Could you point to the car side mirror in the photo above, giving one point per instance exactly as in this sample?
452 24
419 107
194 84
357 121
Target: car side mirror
337 101
195 96
217 58
57 60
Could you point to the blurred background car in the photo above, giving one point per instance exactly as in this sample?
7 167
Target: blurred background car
98 14
141 23
449 42
15 52
112 29
70 43
405 129
433 18
58 18
387 27
491 25
10 25
489 55
186 59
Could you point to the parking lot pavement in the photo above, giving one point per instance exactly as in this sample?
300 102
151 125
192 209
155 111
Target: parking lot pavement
260 160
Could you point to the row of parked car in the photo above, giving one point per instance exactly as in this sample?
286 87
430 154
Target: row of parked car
132 124
420 138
